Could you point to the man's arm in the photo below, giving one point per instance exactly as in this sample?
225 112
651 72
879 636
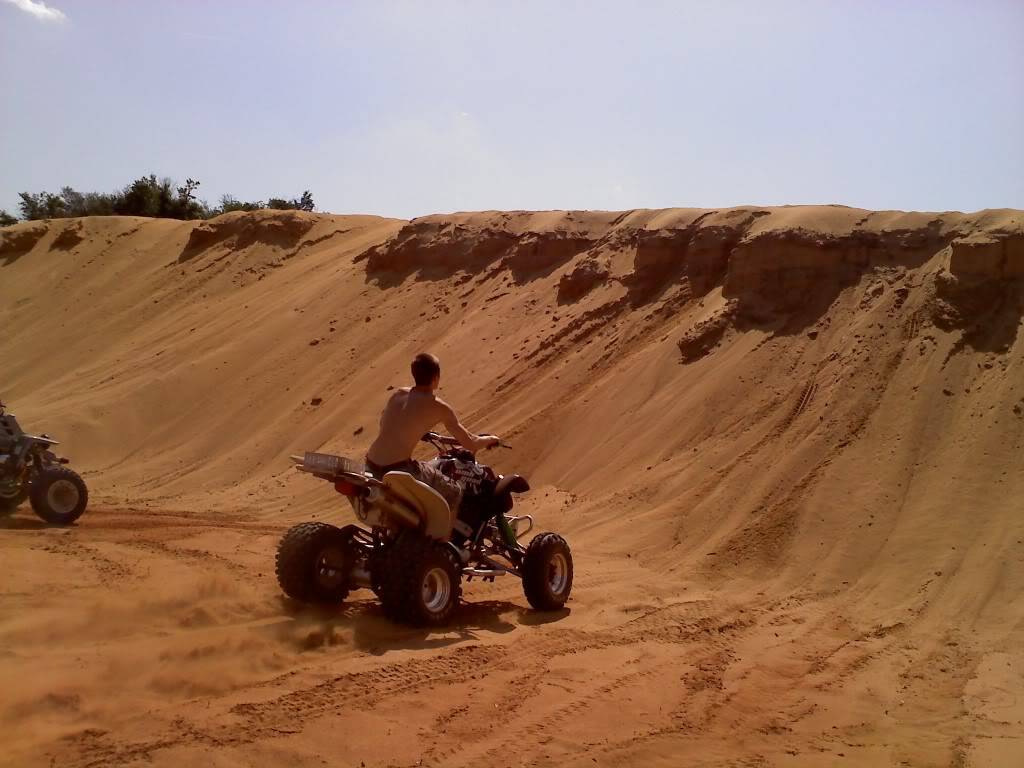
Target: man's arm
470 441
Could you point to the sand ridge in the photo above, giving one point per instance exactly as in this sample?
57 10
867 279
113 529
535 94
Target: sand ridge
785 444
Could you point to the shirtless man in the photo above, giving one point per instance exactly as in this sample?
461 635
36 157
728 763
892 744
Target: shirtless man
411 412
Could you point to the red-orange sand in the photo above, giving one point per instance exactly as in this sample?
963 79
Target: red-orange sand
785 444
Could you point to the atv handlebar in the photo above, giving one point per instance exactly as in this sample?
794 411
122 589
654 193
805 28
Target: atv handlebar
438 440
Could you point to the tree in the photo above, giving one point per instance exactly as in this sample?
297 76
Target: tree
40 206
74 202
304 203
6 219
97 204
86 204
146 196
149 196
186 206
229 203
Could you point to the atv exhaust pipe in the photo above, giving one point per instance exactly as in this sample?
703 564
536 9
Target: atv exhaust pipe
485 572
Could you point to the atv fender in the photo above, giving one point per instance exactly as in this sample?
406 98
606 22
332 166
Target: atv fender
431 506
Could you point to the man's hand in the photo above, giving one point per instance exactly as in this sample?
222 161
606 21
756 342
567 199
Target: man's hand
492 440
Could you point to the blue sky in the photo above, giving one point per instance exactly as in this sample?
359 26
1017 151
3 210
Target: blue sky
408 108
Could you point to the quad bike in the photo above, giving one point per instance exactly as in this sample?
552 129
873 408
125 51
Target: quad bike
413 551
30 470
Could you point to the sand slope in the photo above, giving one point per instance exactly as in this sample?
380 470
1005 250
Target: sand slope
786 445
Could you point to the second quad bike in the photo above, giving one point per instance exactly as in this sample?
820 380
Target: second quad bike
412 550
30 470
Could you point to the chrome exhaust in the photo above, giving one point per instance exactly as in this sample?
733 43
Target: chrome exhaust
487 572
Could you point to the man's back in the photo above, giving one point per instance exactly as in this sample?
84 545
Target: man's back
408 414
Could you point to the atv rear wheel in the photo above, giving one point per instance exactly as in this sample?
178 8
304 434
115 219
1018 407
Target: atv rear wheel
547 572
313 563
420 582
58 495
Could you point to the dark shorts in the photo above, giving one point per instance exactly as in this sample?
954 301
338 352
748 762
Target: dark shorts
425 473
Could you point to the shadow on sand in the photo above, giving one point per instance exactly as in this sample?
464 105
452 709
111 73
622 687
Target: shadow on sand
313 627
14 522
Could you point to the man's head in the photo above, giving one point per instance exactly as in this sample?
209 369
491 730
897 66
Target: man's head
426 370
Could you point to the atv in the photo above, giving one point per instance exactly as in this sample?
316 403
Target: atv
411 550
30 470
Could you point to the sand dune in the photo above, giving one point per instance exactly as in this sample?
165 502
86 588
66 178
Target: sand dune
786 444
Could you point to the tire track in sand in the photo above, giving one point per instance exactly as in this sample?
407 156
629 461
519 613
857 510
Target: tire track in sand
288 713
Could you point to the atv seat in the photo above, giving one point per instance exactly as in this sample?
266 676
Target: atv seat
431 506
513 483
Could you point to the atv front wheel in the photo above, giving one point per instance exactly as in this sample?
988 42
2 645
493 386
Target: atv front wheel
58 495
420 582
313 563
547 572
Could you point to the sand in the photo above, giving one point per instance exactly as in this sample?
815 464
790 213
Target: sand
785 444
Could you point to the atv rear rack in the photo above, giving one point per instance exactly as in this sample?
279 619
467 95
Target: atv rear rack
327 464
337 468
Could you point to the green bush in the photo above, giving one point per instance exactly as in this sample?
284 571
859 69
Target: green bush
228 204
149 196
304 203
41 206
146 196
86 204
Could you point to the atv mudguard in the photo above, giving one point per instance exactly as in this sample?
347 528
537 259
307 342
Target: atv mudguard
433 509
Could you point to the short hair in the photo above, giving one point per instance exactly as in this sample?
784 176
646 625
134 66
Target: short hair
425 368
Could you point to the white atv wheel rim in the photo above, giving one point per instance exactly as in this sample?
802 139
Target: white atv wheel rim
437 586
62 497
558 574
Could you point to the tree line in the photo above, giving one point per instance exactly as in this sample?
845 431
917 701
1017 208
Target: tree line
146 196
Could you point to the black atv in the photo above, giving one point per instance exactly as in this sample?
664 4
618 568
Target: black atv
30 470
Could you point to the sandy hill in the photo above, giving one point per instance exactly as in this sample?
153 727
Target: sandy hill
787 445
